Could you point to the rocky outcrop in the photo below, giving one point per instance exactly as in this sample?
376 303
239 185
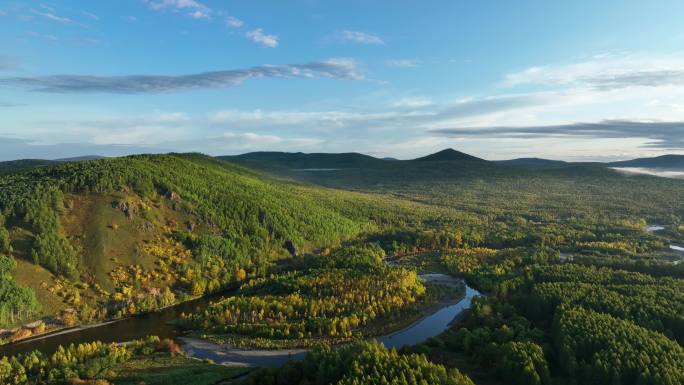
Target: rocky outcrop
125 207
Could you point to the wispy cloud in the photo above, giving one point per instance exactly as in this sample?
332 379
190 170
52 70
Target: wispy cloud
199 15
53 17
403 115
605 73
91 16
413 102
235 141
234 22
14 148
359 37
191 8
665 135
54 38
403 63
141 84
42 35
259 37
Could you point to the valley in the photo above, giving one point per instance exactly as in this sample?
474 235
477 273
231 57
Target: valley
282 261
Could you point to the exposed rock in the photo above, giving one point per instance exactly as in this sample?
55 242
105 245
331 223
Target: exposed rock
291 248
147 226
34 324
125 208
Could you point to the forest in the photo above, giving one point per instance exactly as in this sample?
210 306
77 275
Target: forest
575 288
329 299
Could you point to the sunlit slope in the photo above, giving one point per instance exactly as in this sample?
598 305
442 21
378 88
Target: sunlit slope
100 221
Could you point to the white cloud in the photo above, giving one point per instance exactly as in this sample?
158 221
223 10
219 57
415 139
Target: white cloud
360 37
403 63
247 139
199 15
259 37
175 4
234 22
191 8
413 102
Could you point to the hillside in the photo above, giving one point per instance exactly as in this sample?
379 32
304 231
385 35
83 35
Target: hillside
123 231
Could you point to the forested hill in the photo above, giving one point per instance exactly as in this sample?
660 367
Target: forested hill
672 162
448 154
228 199
304 161
127 227
527 187
23 164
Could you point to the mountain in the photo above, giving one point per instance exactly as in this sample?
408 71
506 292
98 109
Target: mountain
305 161
534 162
449 154
671 162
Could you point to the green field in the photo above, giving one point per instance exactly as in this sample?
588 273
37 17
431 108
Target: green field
173 370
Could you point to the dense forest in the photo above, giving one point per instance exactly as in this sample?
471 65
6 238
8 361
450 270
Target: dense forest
362 363
576 288
327 299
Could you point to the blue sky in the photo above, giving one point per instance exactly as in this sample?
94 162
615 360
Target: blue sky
581 80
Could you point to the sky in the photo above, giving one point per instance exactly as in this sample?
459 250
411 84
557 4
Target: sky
576 80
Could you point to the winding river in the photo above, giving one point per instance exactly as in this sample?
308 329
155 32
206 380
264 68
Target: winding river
156 324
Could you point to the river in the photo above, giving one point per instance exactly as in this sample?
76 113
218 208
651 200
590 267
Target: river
136 327
156 324
429 326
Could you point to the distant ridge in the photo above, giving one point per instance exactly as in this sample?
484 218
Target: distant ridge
449 154
300 160
25 164
663 162
535 162
80 158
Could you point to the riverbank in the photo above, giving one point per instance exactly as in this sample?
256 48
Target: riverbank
430 325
